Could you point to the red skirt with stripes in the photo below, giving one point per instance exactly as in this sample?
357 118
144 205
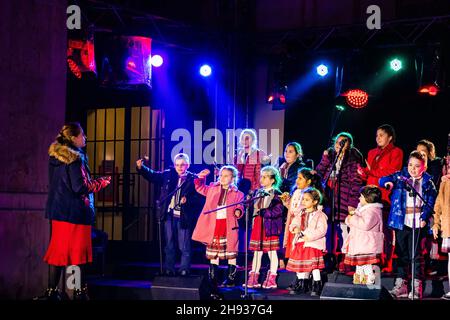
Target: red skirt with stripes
362 259
305 259
258 239
70 244
218 247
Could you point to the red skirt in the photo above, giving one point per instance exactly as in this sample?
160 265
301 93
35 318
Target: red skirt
218 247
305 259
258 239
288 250
70 244
362 259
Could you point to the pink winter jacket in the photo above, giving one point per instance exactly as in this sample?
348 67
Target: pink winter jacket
206 223
366 230
316 230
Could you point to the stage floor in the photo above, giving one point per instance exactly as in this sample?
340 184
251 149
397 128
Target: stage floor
133 281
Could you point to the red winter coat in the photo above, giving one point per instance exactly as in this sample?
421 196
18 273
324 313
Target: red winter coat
206 224
383 162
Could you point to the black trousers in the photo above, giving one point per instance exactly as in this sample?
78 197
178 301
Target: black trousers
403 249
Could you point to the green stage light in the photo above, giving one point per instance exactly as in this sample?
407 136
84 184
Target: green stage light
396 64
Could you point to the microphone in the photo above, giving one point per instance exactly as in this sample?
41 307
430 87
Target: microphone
193 175
263 193
343 142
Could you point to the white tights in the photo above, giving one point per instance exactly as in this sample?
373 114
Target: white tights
257 258
305 275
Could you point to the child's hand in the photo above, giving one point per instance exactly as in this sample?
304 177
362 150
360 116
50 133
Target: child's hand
286 199
203 173
325 153
296 230
389 185
423 224
237 213
435 232
183 200
351 210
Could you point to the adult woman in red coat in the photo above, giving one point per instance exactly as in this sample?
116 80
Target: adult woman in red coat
383 160
70 208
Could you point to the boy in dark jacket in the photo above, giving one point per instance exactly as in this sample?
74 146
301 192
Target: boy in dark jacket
177 211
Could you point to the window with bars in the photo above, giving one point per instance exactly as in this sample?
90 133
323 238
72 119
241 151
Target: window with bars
116 138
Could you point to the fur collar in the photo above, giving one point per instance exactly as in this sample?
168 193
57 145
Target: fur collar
63 153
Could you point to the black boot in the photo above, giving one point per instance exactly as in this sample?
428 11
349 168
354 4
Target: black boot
293 284
50 294
230 281
81 295
316 288
299 287
212 277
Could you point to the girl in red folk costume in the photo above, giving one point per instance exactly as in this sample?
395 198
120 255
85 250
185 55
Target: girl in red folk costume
219 229
267 225
364 244
310 228
249 160
70 208
384 160
306 178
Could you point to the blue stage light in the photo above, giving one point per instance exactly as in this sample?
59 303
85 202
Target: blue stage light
205 70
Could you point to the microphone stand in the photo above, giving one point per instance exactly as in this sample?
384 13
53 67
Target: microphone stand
250 200
414 194
324 184
160 217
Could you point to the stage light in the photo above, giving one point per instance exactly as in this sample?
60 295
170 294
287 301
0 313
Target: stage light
396 64
322 70
340 107
431 90
80 57
156 60
205 70
356 98
278 98
73 67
